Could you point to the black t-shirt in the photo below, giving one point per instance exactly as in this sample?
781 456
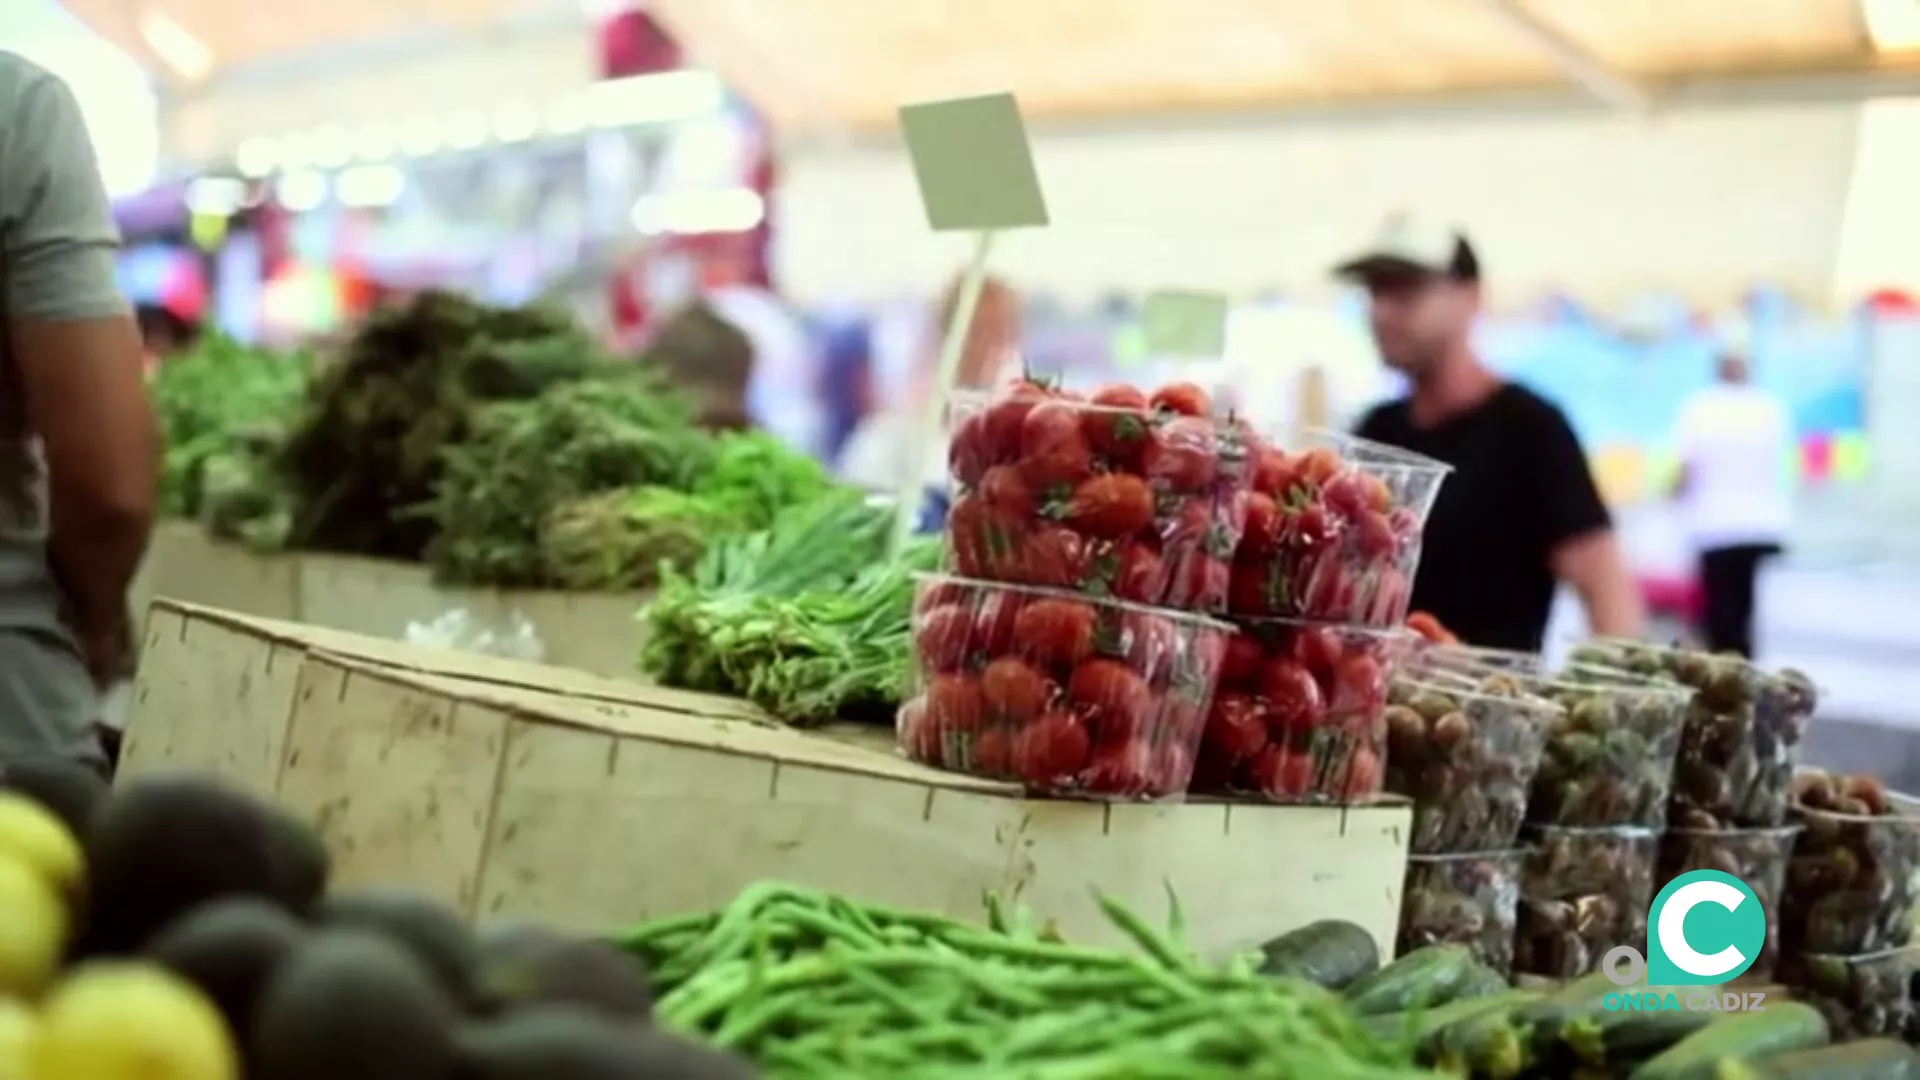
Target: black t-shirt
1520 487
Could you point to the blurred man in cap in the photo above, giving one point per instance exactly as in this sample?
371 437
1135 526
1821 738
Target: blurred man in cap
1520 511
1734 494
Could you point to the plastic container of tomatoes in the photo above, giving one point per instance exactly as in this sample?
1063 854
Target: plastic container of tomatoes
1332 531
1124 494
1300 713
1060 692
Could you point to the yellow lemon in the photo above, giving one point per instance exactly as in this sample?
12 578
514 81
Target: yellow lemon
130 1021
32 834
16 1032
33 930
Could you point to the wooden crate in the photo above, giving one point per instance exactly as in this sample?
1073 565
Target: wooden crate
595 813
215 688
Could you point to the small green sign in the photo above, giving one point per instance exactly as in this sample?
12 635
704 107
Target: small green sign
973 164
1185 325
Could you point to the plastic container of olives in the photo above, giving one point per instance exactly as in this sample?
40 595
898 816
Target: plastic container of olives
1741 741
1609 756
1465 751
1474 659
1583 891
1861 996
1466 899
1756 856
1850 886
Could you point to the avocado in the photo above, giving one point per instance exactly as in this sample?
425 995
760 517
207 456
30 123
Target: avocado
349 1003
230 949
556 1042
437 937
72 791
527 964
167 842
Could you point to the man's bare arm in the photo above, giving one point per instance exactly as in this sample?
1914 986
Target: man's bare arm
78 354
1593 564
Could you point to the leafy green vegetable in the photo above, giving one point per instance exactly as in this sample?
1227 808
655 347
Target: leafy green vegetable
213 403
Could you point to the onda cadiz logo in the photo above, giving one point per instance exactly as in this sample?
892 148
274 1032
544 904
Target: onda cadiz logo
1704 929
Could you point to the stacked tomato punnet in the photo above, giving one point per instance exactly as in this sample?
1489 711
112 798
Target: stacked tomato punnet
1123 494
1300 714
1332 531
1061 692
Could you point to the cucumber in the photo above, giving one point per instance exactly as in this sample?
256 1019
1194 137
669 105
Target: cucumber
1331 952
1623 1039
1427 977
1423 1025
1491 1045
1866 1059
1779 1029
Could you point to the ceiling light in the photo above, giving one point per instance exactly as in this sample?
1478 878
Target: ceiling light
656 99
694 212
256 157
301 191
185 54
1892 25
369 185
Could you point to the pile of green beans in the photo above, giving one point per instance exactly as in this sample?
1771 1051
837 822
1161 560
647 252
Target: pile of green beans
813 986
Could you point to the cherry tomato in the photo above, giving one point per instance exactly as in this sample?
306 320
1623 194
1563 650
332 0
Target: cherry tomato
1172 768
1292 696
1055 632
1317 466
1199 583
1182 455
1236 728
1346 494
1259 587
1183 399
1013 689
1112 506
1272 473
1052 556
996 613
1389 597
1318 648
1405 524
1241 663
1332 589
1198 663
1140 575
970 451
1120 768
1006 491
1005 422
1053 451
1120 425
1052 749
1281 774
1379 495
940 593
943 636
1373 536
1112 696
1430 628
1359 682
1147 642
991 753
1260 534
1363 776
919 737
955 704
984 541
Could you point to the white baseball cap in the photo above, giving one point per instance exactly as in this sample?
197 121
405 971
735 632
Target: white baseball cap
1408 243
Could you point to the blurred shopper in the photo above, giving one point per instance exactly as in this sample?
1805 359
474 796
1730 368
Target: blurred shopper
711 360
1520 510
882 450
846 381
1734 494
79 448
781 397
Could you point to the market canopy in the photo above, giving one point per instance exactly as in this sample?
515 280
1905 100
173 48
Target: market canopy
849 63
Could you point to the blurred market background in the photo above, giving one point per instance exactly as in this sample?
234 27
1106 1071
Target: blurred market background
1638 175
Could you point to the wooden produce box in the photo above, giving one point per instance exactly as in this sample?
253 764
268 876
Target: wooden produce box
215 688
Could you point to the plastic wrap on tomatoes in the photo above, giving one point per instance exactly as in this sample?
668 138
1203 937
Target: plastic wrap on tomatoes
1332 532
1058 691
1300 712
1121 495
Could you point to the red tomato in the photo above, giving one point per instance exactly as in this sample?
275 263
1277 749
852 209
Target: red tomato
1430 628
1363 776
1112 506
1260 534
1172 768
1120 425
1052 749
1147 642
1405 524
1005 421
991 753
1389 597
1260 587
1200 660
1120 768
996 613
1182 455
1318 648
943 636
1182 398
970 451
1332 589
1373 536
1113 697
1241 662
1272 773
1183 715
1236 728
1053 451
1292 696
1272 473
1003 489
1013 690
935 594
1306 526
1359 682
1053 556
1346 493
955 704
1140 575
1198 525
918 736
984 541
1317 466
1055 632
1199 583
1379 495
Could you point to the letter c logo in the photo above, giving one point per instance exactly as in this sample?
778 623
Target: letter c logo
1673 933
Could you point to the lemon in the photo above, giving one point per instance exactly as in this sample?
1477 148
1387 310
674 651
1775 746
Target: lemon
33 930
32 834
16 1032
130 1021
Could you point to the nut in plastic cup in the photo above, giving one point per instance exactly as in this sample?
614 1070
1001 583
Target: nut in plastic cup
1862 996
1756 856
1609 757
1062 693
1850 883
1299 717
1470 898
1465 751
1583 892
